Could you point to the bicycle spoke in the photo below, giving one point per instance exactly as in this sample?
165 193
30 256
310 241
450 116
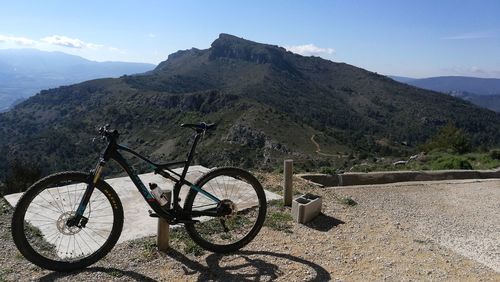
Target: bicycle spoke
47 215
239 197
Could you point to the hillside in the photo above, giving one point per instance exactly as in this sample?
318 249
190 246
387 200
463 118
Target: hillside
24 72
491 102
268 102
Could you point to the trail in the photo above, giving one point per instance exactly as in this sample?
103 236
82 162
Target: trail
318 149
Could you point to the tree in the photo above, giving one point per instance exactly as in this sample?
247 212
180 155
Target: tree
20 176
451 138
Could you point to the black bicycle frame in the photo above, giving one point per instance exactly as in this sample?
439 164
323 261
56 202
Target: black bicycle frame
112 151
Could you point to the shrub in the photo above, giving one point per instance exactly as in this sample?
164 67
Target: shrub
451 162
327 170
451 138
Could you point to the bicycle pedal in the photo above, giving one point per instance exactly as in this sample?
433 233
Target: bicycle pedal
186 221
152 214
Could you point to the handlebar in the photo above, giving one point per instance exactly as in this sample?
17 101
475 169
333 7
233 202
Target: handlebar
107 133
112 134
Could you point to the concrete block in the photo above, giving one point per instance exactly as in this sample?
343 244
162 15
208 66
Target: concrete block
306 207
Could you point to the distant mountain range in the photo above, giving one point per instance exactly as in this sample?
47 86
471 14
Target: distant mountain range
484 92
269 103
24 72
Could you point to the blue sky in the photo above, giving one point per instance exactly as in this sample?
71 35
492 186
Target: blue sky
408 38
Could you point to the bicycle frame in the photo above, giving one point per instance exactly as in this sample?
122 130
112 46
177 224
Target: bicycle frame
112 152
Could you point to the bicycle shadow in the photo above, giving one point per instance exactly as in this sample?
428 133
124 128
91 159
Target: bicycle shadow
324 222
250 269
249 266
109 270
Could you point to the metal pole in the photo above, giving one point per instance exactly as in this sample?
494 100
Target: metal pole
287 184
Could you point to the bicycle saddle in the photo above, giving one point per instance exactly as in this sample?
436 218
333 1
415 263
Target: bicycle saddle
200 126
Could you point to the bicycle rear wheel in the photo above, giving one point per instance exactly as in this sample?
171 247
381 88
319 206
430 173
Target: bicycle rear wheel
39 222
240 192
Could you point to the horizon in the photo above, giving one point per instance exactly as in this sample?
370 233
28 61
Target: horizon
375 36
109 61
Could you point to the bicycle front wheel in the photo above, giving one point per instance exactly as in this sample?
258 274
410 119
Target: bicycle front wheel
39 222
244 202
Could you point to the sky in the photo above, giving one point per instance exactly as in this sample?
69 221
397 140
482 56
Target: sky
407 38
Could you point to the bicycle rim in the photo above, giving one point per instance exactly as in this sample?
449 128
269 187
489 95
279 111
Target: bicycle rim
50 205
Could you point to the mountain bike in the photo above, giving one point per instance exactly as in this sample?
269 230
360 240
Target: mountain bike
70 220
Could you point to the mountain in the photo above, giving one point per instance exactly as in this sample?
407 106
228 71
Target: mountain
269 103
24 72
484 92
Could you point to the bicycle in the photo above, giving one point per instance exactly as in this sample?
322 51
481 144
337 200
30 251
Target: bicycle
69 220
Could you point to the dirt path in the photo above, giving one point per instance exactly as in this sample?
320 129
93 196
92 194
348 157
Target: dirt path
318 149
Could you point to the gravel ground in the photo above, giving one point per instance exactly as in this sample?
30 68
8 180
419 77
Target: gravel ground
399 232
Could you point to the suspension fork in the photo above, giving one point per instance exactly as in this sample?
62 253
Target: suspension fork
78 219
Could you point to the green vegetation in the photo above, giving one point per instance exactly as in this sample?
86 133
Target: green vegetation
450 162
278 217
148 250
327 170
269 105
434 160
2 279
495 154
20 176
179 239
4 272
114 273
348 201
280 221
449 138
4 206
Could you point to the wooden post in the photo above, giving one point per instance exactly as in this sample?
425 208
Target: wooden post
287 183
163 234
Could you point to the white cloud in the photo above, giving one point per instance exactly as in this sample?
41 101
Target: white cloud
310 50
17 40
60 40
66 41
475 69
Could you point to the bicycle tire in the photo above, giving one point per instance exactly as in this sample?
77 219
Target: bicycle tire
193 229
20 225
